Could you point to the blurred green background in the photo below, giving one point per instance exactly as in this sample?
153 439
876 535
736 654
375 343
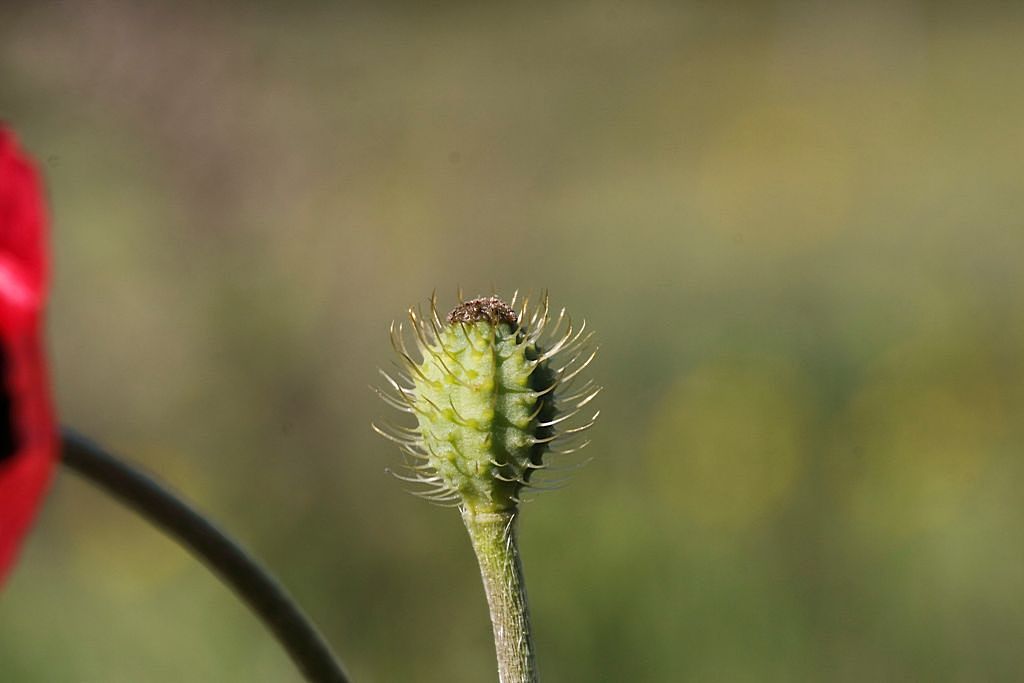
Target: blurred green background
797 227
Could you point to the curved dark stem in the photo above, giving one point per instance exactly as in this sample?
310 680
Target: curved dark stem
235 567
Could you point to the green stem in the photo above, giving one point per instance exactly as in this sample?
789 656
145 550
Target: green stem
224 557
494 540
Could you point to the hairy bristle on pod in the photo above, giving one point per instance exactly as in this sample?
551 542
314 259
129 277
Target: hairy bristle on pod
495 394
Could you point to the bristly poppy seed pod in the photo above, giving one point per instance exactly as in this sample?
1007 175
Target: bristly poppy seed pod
491 390
28 438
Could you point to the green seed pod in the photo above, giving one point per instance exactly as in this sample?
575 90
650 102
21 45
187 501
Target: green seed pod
490 396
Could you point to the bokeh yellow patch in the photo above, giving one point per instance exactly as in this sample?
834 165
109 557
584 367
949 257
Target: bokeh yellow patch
729 441
777 175
917 438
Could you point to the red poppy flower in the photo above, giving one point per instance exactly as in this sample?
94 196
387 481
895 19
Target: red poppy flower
28 437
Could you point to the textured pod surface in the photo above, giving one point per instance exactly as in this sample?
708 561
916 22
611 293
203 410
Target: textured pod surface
487 390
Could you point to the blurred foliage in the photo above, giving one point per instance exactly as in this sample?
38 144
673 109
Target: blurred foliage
797 228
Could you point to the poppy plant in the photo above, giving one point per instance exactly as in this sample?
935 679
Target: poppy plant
30 444
28 437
